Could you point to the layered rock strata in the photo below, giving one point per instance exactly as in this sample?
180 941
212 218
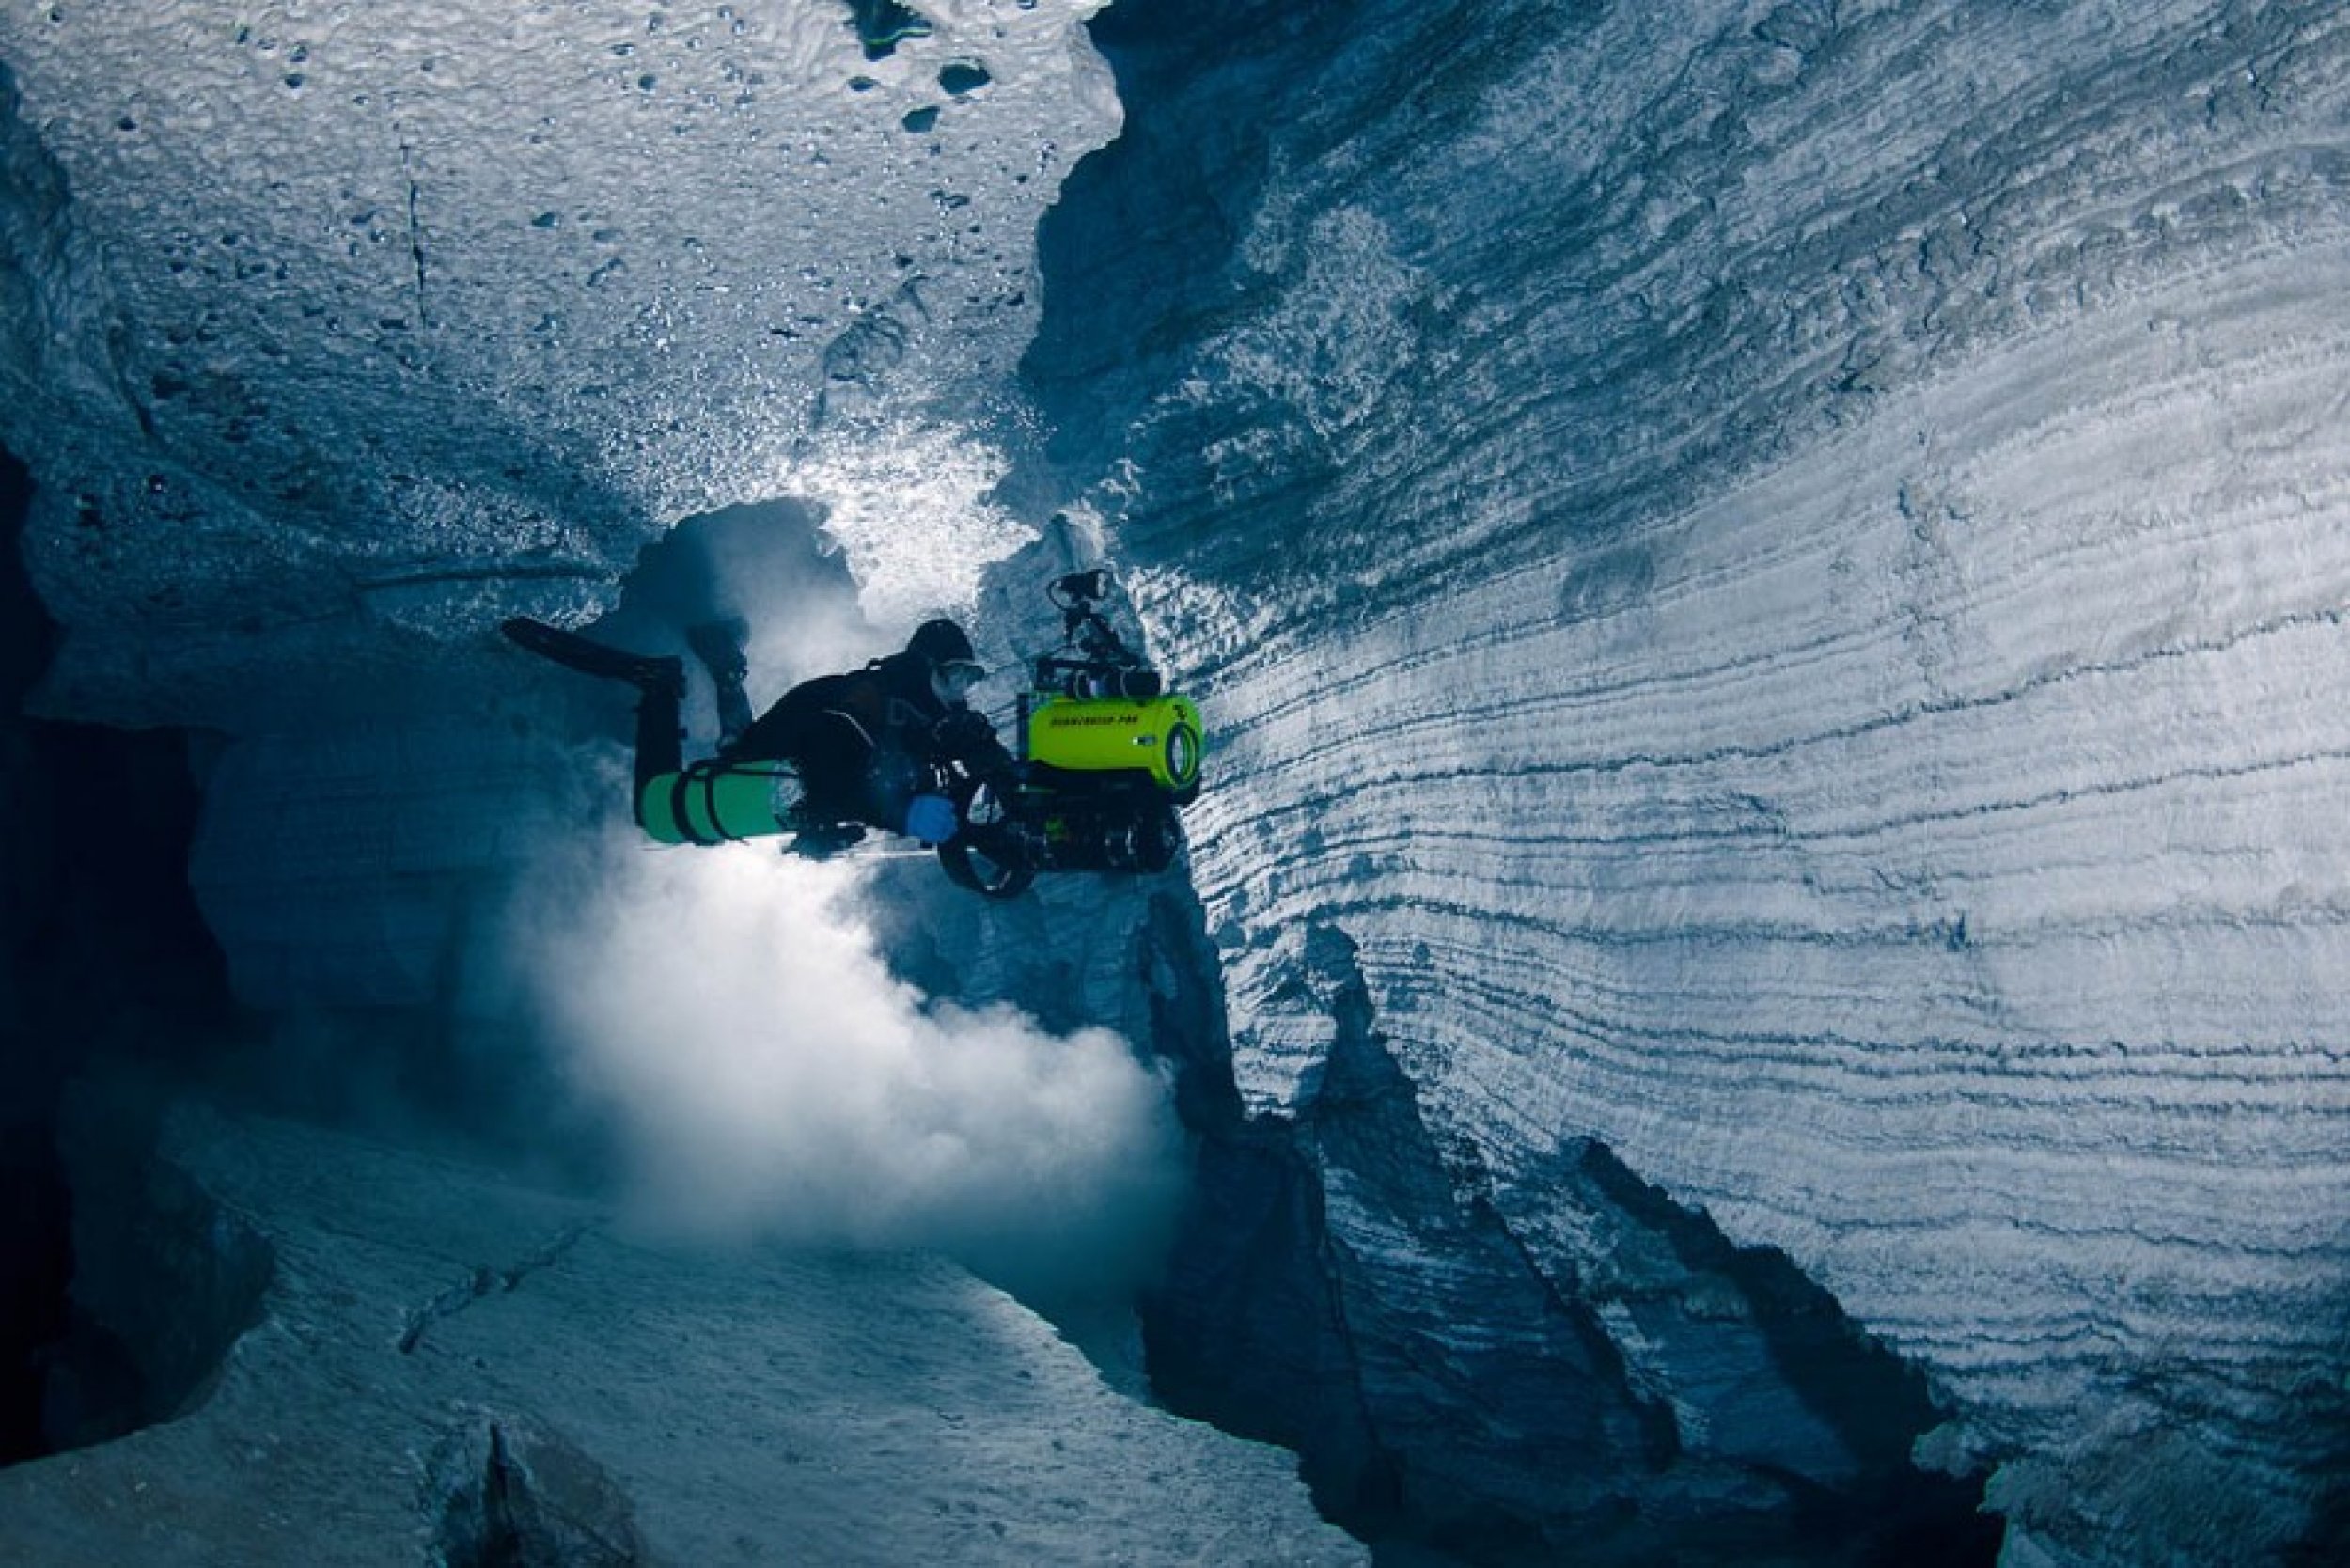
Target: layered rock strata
1777 574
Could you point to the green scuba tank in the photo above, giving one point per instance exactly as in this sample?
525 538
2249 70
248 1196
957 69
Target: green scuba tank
713 802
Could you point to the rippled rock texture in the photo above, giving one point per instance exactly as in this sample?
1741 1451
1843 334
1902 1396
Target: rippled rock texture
1639 1391
1775 574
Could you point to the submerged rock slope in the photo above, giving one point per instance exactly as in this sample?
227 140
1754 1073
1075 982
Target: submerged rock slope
443 1365
1777 573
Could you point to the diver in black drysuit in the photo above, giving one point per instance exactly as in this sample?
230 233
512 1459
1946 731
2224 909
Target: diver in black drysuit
865 746
863 743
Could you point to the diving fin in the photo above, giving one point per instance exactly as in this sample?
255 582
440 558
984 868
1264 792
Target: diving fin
572 651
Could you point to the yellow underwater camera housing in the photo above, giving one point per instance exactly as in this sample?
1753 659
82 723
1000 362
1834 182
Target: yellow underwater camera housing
1159 737
1107 757
1096 711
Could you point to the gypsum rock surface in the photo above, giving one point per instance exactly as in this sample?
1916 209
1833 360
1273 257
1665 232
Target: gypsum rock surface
2246 66
1667 1398
332 344
451 1365
1777 572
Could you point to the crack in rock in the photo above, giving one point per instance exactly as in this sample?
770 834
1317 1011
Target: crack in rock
486 1280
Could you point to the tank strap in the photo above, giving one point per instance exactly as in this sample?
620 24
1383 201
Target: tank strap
703 775
851 720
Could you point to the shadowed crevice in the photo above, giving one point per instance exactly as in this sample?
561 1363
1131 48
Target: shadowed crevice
1610 1377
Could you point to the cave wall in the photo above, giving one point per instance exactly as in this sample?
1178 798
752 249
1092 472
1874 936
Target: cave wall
332 344
1771 571
1648 1392
1775 570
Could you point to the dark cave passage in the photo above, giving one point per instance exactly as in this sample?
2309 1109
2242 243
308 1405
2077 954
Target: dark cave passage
108 968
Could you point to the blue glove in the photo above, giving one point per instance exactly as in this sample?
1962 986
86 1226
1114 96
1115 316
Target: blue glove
931 819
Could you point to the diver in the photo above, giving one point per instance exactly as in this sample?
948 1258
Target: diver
864 742
863 749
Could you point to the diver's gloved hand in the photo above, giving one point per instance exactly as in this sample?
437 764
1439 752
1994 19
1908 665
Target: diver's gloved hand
970 738
960 730
931 819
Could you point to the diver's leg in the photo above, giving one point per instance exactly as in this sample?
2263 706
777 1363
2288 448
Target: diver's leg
719 646
832 778
787 731
660 728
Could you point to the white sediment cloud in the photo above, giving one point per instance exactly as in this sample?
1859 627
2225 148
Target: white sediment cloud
770 1076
